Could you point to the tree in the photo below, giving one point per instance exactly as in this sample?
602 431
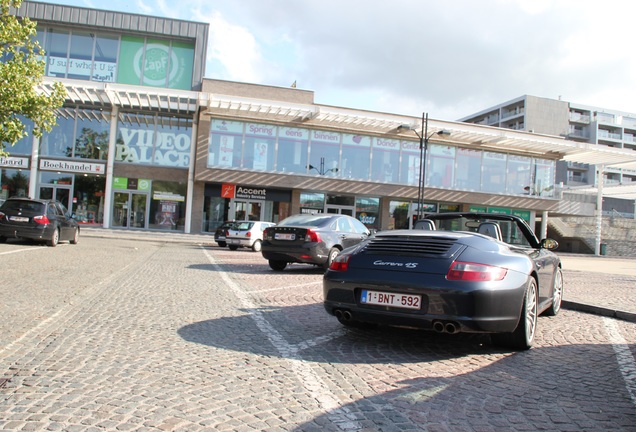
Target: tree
21 71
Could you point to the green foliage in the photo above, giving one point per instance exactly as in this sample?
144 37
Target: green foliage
21 72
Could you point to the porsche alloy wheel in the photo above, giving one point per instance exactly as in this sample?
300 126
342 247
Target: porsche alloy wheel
557 293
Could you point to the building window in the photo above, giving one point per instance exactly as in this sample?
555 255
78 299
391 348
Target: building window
293 145
356 156
385 160
153 140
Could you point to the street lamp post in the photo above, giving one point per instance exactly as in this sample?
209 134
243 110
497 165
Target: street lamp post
424 137
322 171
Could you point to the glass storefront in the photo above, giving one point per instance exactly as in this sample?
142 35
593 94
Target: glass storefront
104 57
14 183
225 202
153 140
79 133
261 147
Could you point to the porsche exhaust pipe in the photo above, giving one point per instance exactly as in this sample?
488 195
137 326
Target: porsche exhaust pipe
450 327
438 326
342 315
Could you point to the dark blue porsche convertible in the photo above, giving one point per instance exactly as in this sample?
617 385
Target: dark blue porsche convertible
459 272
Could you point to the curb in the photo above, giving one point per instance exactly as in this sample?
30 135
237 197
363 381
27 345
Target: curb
597 310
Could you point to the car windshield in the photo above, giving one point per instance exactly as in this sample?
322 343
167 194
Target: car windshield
511 233
305 220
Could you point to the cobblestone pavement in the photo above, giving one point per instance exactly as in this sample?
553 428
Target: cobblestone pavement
177 336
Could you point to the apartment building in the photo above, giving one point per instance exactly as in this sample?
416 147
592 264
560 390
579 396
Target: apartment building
581 123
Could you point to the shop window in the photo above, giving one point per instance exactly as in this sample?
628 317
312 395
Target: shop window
60 141
57 52
493 172
399 215
80 63
356 156
226 146
156 140
167 205
293 144
544 177
324 157
24 145
260 144
105 59
441 166
312 202
410 166
468 174
14 183
386 160
368 211
156 63
93 131
519 178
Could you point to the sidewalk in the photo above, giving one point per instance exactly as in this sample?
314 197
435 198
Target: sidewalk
594 284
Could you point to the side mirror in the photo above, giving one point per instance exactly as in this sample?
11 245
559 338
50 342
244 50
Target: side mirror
549 244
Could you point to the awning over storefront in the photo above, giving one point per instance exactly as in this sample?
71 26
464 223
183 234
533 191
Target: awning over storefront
127 96
461 134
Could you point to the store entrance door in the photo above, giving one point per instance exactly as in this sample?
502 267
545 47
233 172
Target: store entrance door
57 192
340 209
130 210
246 211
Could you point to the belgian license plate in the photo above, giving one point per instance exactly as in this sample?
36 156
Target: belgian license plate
19 219
381 298
281 236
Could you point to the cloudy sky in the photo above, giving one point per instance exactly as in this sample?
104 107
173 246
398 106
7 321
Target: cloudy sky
448 58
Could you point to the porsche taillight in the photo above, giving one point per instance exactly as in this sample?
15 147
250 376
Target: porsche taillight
42 220
475 272
312 236
340 263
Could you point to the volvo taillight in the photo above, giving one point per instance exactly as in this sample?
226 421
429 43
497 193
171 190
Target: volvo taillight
312 236
475 272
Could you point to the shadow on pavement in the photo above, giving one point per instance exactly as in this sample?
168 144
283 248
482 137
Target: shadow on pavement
566 388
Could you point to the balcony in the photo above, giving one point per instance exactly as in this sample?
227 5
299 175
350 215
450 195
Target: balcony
579 118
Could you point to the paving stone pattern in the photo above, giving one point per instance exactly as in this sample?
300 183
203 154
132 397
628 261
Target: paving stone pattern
160 336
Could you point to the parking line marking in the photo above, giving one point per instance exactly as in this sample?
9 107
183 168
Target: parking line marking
624 356
338 414
23 250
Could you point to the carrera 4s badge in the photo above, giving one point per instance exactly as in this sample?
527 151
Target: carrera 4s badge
409 265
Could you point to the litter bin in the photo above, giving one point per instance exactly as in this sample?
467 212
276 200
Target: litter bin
603 248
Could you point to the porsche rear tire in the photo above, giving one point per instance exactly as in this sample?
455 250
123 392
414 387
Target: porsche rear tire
522 337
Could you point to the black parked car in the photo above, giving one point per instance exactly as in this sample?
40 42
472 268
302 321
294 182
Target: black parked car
311 238
460 272
221 232
36 219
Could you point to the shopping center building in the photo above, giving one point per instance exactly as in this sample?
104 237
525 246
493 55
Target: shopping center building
144 141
